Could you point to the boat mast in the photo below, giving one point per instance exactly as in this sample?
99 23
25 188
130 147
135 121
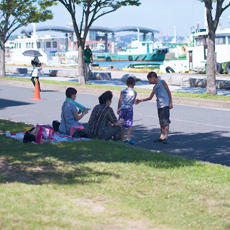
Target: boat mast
138 36
34 36
174 28
34 30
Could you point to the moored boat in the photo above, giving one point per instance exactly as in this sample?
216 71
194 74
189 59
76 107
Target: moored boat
138 51
53 50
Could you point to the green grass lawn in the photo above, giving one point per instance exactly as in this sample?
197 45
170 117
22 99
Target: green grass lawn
118 88
203 96
107 185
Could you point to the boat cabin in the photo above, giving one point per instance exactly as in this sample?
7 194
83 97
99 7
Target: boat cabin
197 52
138 47
46 45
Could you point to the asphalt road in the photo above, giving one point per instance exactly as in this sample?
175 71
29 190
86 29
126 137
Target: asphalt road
195 132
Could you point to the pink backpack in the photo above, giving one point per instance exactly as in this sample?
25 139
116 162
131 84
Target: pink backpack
44 134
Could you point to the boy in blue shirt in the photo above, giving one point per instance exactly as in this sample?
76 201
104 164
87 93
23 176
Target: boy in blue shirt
164 103
125 109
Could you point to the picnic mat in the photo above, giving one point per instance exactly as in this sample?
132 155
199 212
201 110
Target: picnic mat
57 137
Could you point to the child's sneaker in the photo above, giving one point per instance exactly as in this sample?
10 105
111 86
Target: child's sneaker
131 142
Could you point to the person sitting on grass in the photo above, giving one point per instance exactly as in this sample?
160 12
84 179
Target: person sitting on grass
70 115
103 123
125 109
164 103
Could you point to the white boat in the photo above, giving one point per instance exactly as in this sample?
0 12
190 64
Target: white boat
196 56
53 50
197 52
21 45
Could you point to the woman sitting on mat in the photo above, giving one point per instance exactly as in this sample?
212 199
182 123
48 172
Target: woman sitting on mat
70 115
103 123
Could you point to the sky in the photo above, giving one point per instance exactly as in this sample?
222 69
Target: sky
160 15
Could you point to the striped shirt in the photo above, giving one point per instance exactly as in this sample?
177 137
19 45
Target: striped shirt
101 118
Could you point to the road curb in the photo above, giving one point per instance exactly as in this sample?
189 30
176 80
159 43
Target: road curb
176 100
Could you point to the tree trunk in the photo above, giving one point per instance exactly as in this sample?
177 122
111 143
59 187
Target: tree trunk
2 56
81 65
211 72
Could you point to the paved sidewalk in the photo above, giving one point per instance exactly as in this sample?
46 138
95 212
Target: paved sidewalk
117 74
93 91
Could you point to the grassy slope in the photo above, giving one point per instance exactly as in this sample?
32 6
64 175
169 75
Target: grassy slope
107 185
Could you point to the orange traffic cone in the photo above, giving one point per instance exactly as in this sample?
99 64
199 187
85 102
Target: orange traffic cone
36 91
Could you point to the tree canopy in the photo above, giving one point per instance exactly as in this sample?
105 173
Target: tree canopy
17 13
91 10
213 20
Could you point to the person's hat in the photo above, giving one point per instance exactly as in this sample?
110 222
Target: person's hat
87 44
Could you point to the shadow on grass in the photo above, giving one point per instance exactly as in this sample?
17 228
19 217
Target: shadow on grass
78 162
48 173
67 163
